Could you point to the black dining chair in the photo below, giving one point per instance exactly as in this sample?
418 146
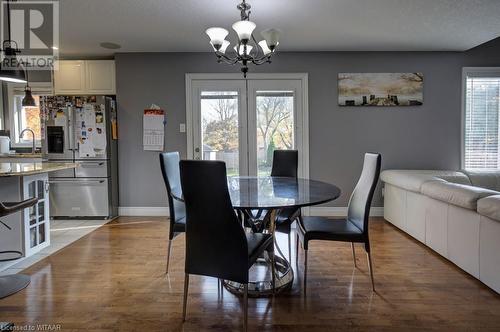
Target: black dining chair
216 243
169 162
352 229
286 164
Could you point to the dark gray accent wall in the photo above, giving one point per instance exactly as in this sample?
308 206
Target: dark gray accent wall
423 137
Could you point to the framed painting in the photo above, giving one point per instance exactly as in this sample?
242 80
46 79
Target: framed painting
380 89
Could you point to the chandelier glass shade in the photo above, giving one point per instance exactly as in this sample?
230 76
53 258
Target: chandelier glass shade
247 50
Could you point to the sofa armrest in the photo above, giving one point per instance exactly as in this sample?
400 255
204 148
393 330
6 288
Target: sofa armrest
457 194
489 207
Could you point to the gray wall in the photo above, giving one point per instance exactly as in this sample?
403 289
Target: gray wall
424 137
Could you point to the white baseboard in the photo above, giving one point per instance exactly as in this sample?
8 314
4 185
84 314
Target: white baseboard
145 211
314 211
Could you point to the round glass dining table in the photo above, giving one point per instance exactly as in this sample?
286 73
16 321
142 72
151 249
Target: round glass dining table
259 201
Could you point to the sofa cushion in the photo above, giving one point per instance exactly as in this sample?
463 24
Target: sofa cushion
484 179
489 207
412 180
457 194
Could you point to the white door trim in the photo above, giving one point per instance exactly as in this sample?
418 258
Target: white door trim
303 77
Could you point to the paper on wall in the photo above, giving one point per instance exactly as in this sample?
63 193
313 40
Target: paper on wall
153 129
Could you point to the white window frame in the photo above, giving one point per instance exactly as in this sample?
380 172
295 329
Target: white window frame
303 77
15 89
469 71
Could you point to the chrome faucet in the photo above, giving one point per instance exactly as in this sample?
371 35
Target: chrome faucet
33 150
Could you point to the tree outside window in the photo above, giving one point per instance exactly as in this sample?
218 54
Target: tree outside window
275 127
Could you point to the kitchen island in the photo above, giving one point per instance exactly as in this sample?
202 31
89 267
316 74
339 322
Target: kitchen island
30 229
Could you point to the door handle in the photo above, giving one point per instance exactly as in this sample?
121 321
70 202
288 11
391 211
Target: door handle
76 181
71 131
87 164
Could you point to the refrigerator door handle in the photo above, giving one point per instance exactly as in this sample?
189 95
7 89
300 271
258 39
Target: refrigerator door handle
71 130
78 181
91 164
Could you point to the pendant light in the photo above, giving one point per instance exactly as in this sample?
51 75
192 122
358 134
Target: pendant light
28 100
13 72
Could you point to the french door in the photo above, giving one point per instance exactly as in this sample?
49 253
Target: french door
242 122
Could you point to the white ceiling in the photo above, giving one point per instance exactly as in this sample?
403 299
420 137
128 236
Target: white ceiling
307 25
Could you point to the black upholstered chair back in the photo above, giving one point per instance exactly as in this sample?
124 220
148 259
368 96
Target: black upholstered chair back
169 162
361 198
285 163
216 244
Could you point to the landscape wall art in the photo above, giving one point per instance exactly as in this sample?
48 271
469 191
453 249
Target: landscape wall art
380 89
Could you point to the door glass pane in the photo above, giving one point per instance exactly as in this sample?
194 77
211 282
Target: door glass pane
41 211
41 189
219 128
32 214
41 233
32 189
275 126
33 240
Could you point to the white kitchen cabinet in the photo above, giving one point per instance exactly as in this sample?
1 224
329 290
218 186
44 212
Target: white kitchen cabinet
100 77
69 79
85 77
36 218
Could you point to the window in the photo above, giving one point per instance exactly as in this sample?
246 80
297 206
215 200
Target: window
26 117
481 146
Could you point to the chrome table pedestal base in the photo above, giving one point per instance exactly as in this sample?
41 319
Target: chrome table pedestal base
282 267
264 288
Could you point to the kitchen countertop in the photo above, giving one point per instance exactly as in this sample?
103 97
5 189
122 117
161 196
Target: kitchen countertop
20 155
20 169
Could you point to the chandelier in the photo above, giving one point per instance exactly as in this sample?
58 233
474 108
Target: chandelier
247 50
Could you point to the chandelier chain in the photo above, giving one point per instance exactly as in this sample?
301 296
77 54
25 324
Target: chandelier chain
244 9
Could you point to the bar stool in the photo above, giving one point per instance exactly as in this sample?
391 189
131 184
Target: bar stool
12 284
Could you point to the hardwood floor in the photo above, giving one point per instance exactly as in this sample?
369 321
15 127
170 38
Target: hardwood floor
113 280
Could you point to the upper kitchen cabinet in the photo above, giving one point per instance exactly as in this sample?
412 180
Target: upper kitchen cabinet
69 79
85 77
100 77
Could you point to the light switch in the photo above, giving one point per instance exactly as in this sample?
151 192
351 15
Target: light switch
182 127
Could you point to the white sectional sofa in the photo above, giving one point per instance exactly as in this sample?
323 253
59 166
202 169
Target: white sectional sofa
457 214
